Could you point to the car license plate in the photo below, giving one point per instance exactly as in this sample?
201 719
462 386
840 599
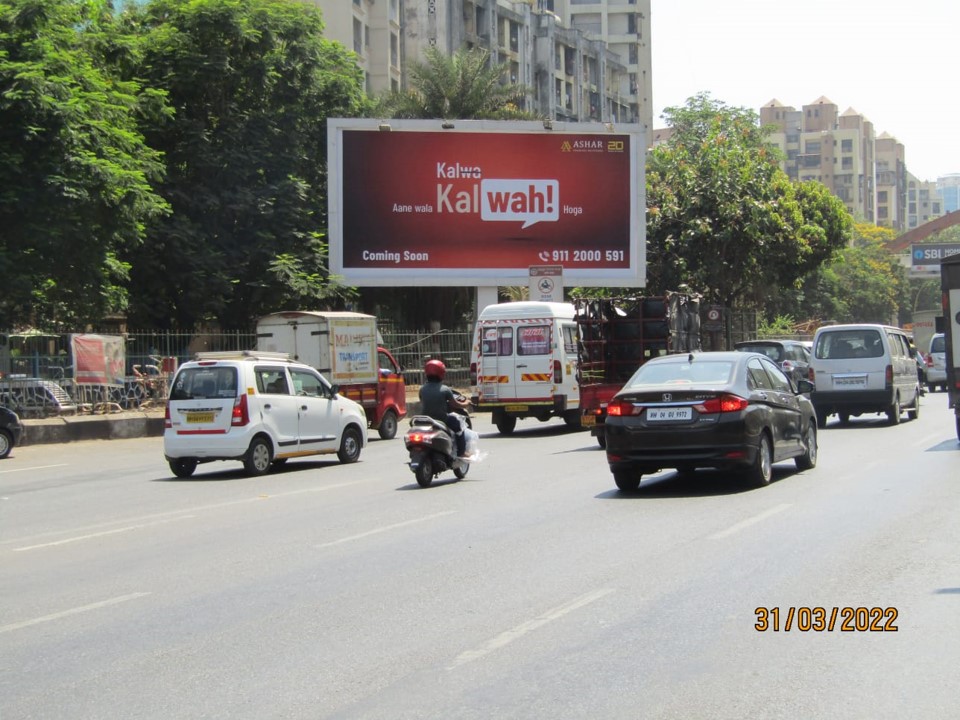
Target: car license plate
516 408
588 420
850 381
669 414
200 417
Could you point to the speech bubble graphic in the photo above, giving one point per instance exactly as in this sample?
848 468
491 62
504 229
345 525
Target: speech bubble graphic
515 200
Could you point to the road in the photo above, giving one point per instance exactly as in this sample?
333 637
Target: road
532 589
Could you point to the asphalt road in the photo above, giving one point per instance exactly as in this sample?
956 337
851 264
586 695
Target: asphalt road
532 589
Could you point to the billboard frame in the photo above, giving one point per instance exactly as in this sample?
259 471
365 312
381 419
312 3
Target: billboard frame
633 275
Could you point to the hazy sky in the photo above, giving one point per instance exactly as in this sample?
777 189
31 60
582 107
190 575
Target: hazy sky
888 60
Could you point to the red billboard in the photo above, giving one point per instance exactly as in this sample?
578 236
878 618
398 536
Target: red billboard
481 202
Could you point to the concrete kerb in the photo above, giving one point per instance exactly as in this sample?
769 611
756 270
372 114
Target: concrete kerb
116 426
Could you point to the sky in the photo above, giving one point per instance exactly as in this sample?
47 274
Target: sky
893 62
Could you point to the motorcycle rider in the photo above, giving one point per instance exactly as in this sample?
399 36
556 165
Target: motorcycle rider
438 401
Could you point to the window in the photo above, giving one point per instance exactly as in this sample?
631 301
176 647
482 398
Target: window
846 163
272 381
882 196
533 340
306 383
846 146
570 339
758 378
497 341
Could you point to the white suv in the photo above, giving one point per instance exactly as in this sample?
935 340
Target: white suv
258 408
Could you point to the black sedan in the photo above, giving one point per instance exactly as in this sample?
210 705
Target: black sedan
11 431
727 410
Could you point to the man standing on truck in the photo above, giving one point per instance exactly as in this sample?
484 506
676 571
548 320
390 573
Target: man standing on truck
438 401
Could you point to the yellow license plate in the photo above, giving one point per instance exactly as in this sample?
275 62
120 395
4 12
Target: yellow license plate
205 417
588 420
516 408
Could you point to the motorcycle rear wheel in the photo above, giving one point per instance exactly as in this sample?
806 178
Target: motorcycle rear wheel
461 470
424 472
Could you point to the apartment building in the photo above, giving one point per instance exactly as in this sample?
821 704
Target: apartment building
580 62
948 188
838 150
923 201
891 176
372 29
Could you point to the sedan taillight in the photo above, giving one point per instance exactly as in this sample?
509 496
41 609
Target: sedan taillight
722 404
622 408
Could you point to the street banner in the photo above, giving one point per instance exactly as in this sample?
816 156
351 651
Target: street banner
98 359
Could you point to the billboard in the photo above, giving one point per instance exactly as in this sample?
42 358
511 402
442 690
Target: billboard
417 202
925 258
98 359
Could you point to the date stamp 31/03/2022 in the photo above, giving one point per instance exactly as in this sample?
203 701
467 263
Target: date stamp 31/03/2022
826 619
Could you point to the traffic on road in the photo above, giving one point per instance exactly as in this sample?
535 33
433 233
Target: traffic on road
531 588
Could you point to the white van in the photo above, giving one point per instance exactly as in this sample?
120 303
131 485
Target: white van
864 369
524 363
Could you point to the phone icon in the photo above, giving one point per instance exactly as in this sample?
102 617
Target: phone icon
544 256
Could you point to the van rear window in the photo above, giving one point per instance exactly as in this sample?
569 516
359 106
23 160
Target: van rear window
533 340
204 383
939 344
847 344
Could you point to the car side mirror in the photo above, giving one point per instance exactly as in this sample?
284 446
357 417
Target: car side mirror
804 386
334 390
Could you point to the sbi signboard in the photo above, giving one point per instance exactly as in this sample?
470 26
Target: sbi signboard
925 258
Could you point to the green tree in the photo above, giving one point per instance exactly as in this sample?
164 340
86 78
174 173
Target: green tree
75 171
864 283
723 219
251 82
465 85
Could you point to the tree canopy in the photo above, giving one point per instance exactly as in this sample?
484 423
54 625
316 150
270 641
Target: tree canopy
251 83
76 174
465 85
723 219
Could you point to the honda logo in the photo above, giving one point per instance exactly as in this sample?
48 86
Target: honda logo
667 397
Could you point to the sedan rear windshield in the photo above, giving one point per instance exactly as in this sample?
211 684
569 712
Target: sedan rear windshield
682 373
205 382
774 352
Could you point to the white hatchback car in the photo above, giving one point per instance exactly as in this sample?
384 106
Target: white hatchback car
257 408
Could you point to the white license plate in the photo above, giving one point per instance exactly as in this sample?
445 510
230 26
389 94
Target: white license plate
857 382
669 414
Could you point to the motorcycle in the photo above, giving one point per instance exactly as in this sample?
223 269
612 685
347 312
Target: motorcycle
433 448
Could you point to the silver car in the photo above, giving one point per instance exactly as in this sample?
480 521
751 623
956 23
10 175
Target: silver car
936 360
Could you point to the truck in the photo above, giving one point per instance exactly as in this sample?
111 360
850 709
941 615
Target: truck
950 292
616 335
344 347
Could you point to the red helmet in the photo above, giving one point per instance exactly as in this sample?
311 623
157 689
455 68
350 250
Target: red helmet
435 368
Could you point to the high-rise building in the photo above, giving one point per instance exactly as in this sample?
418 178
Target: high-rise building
923 202
577 66
372 30
948 187
837 150
891 176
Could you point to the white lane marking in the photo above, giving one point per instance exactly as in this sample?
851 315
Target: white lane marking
385 528
80 538
749 521
199 508
35 467
519 631
72 611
